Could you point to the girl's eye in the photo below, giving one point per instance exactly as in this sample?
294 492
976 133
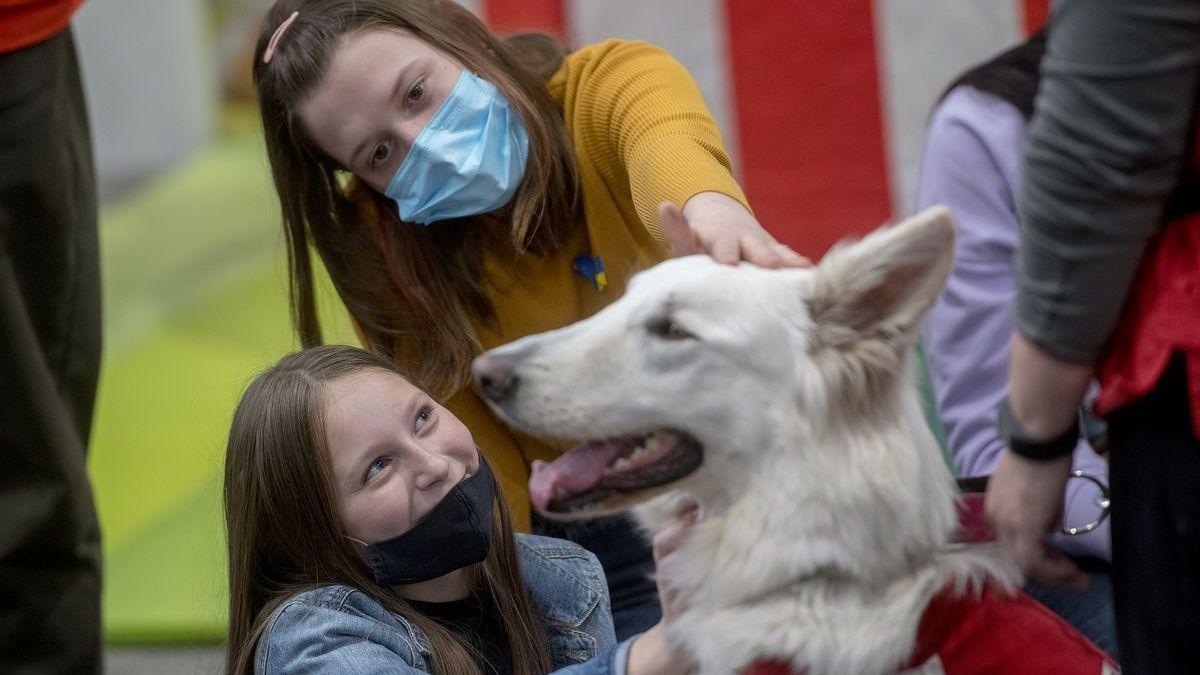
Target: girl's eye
376 466
380 154
417 91
422 419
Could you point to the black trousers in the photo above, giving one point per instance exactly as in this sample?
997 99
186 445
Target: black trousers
49 363
1154 473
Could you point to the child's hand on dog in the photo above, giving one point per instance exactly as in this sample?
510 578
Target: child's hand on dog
720 226
665 542
653 652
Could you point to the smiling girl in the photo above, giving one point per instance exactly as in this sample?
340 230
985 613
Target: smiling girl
366 534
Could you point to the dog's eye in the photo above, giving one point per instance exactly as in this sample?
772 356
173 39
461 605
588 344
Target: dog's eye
668 330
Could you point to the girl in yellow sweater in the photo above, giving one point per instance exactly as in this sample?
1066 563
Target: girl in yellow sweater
464 191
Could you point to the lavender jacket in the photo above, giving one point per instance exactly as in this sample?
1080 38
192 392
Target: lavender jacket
972 164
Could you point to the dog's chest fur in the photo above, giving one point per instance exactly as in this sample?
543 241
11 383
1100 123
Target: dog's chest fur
802 569
822 623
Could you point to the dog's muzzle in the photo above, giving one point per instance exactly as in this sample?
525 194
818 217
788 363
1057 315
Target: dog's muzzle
494 376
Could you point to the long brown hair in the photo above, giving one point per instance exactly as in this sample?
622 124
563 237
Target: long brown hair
413 291
285 531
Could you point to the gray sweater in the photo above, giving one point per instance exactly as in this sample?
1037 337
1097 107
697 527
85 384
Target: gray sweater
1107 143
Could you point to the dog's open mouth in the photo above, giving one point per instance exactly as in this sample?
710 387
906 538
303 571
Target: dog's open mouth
592 473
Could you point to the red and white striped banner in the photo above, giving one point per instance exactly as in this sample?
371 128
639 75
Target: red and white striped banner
823 104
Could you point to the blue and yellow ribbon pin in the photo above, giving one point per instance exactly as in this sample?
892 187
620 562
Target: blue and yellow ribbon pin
590 267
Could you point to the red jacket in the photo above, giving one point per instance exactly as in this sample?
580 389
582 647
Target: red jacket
993 634
28 22
1161 317
1162 309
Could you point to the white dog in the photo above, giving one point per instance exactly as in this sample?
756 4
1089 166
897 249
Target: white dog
780 402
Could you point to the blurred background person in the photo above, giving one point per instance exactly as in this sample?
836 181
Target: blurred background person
49 347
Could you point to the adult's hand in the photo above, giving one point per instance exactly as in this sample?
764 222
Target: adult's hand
1024 503
1025 496
720 226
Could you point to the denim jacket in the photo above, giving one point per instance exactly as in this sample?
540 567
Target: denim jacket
338 629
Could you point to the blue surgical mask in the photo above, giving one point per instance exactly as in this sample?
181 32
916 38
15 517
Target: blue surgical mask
469 159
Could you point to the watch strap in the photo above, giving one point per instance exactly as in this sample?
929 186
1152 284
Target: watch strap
1040 449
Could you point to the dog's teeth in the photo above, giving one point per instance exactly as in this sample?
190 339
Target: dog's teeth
660 441
622 464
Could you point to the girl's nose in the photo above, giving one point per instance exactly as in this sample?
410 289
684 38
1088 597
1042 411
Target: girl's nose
431 468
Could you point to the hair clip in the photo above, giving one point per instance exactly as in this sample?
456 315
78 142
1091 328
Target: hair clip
270 50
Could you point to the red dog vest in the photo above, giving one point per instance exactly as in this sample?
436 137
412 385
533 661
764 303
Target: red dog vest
993 634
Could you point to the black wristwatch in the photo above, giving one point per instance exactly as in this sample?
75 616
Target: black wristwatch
1041 449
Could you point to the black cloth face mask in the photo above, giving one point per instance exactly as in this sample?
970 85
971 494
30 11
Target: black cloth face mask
456 532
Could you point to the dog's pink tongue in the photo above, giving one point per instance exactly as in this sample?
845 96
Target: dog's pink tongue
576 471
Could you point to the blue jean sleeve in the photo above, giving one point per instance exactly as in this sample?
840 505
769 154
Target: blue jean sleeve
610 661
314 639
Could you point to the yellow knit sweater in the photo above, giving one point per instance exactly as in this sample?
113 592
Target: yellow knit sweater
642 136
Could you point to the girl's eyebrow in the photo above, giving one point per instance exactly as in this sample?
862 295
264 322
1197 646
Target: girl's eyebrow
401 78
413 405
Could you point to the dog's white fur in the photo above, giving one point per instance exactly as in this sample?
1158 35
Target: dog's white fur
826 507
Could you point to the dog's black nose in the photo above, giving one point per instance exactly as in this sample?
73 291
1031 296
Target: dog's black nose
493 376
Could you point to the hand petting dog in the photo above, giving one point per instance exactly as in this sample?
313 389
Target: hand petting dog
653 652
665 542
720 226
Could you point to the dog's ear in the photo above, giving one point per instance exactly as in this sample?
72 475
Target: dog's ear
881 286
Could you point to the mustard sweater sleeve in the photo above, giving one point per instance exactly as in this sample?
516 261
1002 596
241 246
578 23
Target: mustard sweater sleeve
643 118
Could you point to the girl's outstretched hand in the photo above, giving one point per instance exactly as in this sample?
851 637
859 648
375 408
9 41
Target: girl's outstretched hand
720 226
